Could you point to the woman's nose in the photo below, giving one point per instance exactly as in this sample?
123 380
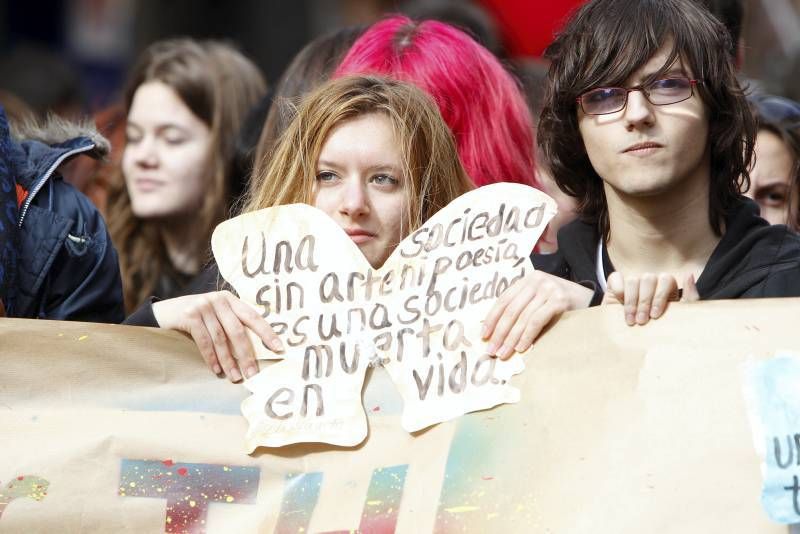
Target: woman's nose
145 153
355 201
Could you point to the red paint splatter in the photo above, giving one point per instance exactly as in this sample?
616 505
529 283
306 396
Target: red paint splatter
487 478
376 409
183 471
20 478
168 462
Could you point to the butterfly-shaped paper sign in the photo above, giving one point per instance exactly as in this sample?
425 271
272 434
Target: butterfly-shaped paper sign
419 316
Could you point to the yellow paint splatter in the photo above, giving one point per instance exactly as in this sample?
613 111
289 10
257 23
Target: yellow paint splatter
374 503
226 468
169 519
228 498
82 338
132 484
192 504
461 509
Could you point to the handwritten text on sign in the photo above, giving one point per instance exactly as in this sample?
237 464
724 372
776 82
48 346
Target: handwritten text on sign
419 315
772 389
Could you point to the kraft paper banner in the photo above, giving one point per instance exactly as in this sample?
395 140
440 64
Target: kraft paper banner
618 429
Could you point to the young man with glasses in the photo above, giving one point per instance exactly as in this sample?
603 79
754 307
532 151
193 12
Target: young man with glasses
645 124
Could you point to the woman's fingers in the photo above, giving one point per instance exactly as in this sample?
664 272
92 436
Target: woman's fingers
218 323
219 341
492 318
196 328
500 344
257 324
538 320
526 308
511 342
237 339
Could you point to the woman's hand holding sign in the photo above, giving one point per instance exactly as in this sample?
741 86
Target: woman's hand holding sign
218 323
523 311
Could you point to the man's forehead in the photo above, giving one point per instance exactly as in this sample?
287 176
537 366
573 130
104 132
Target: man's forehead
664 61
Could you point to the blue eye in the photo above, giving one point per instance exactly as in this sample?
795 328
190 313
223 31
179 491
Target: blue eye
326 176
384 179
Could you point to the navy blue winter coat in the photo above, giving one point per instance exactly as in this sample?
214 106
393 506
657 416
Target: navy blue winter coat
58 259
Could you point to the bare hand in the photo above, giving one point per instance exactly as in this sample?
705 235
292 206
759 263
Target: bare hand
217 321
645 297
526 308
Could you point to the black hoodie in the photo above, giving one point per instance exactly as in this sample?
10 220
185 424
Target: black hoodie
752 260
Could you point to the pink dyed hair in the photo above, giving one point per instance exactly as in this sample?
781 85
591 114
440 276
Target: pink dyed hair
479 100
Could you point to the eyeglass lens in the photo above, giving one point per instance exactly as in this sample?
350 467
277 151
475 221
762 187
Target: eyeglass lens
612 99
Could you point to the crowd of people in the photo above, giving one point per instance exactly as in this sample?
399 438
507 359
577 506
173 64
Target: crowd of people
674 181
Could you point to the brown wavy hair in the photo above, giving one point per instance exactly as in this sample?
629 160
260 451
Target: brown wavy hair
219 85
601 45
428 151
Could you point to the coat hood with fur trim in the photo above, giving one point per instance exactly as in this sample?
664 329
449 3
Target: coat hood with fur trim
56 257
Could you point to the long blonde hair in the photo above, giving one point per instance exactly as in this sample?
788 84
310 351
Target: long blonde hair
426 144
219 85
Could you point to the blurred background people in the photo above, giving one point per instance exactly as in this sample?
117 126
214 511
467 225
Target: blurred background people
186 102
775 177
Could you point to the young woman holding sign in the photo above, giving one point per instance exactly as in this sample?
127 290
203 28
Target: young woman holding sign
376 156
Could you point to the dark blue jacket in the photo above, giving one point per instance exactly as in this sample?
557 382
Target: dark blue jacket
65 264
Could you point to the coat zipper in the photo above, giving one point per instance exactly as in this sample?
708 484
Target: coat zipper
46 177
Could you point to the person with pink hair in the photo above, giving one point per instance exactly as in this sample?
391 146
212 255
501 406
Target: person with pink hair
479 100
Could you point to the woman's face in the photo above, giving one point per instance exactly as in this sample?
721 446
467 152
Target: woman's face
165 161
771 177
361 185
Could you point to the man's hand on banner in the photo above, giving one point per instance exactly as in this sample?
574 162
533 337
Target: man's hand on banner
523 311
646 297
218 323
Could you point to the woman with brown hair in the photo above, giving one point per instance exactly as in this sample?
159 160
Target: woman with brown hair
775 176
186 101
375 155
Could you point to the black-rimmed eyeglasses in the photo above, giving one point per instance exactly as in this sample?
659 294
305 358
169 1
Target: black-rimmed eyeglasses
604 100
